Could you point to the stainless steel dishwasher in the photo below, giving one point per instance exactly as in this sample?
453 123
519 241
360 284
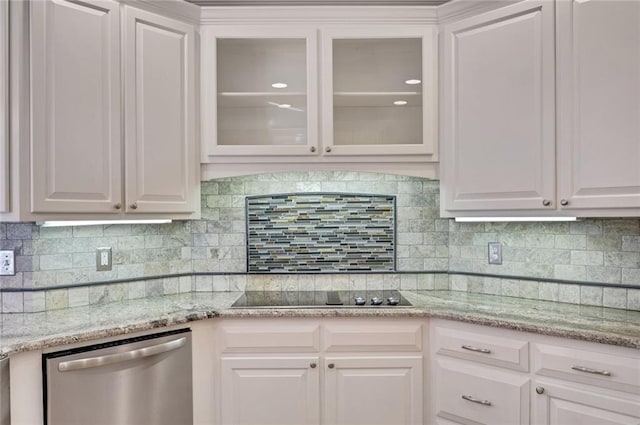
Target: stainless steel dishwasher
137 381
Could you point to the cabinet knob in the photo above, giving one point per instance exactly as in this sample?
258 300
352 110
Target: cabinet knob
540 390
312 365
564 202
327 149
312 148
117 206
331 365
133 206
546 202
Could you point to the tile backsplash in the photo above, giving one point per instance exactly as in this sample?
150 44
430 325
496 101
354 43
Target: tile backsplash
593 250
320 232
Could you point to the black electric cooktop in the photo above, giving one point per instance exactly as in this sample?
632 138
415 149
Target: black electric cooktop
318 299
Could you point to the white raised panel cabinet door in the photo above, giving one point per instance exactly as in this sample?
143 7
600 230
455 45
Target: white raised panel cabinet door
373 390
270 391
498 150
259 91
159 114
4 106
556 403
379 91
599 103
75 104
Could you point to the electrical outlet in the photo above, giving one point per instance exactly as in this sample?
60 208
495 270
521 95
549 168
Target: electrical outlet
495 253
7 263
103 259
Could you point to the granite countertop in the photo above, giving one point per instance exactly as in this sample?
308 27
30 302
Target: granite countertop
35 331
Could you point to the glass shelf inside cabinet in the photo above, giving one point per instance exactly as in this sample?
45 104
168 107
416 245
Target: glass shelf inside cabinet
377 91
262 91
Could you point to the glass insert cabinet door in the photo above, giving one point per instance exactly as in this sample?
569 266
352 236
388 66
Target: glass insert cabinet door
262 96
379 91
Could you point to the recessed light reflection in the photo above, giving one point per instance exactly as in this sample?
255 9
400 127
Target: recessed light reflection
285 106
400 102
279 85
412 82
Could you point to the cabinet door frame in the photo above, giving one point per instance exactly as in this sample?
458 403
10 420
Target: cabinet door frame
283 363
429 37
209 89
4 107
184 200
46 196
570 188
543 188
584 395
332 404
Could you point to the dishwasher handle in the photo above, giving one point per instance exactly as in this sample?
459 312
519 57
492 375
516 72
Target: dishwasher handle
90 362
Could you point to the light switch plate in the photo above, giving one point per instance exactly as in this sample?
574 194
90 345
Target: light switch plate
7 263
103 259
495 253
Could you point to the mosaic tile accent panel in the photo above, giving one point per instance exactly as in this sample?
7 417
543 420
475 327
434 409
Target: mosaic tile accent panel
320 232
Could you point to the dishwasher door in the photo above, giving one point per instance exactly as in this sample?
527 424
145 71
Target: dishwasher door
137 381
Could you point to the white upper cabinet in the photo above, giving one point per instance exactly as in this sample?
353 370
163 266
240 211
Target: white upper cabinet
498 150
4 106
505 119
379 91
103 120
599 104
75 98
160 113
260 91
354 88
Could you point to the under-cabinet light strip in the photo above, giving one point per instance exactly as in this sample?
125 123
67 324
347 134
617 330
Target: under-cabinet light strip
489 219
98 222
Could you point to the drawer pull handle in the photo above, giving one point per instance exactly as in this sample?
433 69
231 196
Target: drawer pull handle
475 400
476 349
589 370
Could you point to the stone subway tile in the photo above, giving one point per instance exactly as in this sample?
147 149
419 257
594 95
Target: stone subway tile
603 274
622 259
591 295
57 299
614 297
571 241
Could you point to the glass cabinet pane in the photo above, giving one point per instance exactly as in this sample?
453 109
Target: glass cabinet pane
262 91
377 91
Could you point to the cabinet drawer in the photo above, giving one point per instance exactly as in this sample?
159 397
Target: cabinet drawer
489 349
250 336
481 394
591 367
373 336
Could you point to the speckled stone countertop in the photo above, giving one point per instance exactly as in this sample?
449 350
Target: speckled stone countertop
34 331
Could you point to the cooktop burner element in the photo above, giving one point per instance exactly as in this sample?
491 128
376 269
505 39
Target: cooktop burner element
317 299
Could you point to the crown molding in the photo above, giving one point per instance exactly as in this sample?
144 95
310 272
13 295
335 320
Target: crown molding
178 9
266 15
458 9
234 3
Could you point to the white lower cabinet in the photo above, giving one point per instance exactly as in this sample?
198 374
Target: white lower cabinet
270 390
302 379
373 390
570 382
559 403
480 393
